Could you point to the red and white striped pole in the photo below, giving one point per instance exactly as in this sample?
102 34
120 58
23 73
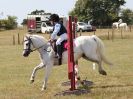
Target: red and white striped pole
71 69
74 36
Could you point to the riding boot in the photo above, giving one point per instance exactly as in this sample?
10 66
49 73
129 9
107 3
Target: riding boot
55 49
59 51
60 61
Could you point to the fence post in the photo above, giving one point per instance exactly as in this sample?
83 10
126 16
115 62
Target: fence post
18 39
13 40
108 35
80 33
112 34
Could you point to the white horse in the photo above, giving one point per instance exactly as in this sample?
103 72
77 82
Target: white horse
123 26
120 26
88 47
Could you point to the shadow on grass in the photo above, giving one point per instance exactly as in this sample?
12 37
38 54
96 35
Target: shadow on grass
84 88
112 86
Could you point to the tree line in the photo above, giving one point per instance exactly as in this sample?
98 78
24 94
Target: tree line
98 12
9 23
102 12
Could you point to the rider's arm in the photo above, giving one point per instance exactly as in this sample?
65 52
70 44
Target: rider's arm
56 30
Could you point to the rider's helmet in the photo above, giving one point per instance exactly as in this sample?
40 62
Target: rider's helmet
54 18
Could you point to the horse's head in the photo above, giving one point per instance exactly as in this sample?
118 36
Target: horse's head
115 25
32 43
28 46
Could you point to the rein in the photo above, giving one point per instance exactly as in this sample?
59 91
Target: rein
39 48
51 44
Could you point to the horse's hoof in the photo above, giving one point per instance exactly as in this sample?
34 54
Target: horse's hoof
31 81
103 72
43 89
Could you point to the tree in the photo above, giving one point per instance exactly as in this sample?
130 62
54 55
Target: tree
2 24
11 22
102 12
24 22
127 16
38 12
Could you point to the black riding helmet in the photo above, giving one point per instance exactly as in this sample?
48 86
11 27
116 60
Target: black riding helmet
54 17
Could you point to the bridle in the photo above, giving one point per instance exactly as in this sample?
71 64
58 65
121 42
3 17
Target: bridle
28 49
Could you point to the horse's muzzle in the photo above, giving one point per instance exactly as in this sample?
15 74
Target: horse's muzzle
26 53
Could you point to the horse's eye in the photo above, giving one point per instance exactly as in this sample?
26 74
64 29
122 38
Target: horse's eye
27 44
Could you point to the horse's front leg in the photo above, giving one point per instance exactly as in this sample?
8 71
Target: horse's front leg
41 65
47 73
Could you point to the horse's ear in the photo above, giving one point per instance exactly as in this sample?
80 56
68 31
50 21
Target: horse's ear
27 35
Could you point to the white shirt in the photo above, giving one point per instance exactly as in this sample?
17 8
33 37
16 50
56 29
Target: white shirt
120 21
56 30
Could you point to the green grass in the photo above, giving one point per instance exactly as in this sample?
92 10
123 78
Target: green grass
15 71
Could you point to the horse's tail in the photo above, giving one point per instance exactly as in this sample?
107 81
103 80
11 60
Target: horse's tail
101 50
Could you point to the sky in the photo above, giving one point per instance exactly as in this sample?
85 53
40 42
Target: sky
20 8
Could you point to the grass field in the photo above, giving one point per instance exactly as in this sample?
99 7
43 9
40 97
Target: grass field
15 72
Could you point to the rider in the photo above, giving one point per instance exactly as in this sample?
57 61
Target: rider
119 22
60 31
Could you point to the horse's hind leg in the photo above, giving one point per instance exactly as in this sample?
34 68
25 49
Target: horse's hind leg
41 65
100 69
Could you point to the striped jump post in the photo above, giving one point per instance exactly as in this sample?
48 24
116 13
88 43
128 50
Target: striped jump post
74 29
71 64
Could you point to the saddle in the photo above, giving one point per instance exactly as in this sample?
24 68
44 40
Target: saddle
63 46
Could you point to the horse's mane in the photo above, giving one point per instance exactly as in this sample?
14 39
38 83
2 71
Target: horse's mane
37 36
